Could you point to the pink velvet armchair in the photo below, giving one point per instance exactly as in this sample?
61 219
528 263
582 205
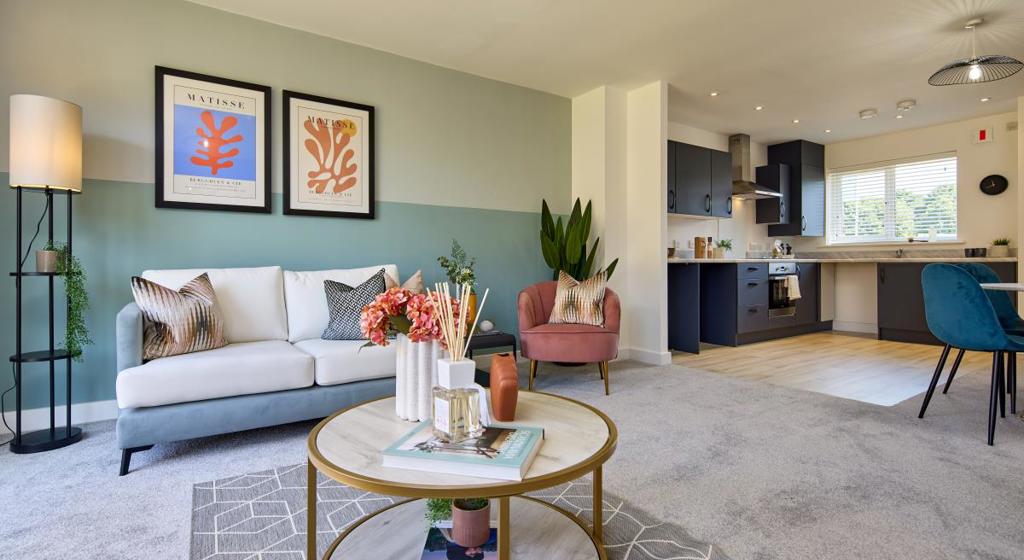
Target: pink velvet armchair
543 342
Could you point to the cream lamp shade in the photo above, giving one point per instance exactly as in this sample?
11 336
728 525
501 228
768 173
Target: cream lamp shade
46 143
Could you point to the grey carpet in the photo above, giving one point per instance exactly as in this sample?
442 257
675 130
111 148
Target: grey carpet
262 516
762 471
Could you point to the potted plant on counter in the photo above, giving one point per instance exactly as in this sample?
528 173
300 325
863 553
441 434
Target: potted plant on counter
721 247
1000 248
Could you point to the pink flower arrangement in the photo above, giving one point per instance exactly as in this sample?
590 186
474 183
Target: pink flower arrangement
399 310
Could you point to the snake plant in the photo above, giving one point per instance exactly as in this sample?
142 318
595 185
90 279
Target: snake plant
564 245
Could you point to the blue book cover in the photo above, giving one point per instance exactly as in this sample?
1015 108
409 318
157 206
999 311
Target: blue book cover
504 452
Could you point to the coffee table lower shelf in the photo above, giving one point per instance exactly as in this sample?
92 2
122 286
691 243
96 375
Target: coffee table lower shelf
538 530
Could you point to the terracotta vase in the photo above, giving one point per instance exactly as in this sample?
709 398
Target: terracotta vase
470 528
504 387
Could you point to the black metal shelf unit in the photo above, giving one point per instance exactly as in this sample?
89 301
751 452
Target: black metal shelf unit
56 436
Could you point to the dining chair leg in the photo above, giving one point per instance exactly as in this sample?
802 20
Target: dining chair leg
1002 384
533 373
1012 375
952 372
993 398
604 369
935 380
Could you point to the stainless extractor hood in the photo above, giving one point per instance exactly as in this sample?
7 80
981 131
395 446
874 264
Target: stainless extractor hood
743 186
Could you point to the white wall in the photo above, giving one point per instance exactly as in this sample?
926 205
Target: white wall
741 227
980 218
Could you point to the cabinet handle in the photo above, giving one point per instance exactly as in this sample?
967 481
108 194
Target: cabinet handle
671 200
881 273
751 310
752 284
803 223
728 206
707 203
751 268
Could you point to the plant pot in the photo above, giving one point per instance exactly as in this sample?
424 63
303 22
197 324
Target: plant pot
46 261
471 528
999 251
719 252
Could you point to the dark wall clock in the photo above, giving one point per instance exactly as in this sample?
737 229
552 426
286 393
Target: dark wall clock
993 184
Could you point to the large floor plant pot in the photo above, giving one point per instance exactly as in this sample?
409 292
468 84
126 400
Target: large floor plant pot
470 527
415 377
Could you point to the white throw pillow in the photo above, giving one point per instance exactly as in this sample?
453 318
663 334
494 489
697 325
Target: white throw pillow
307 302
251 300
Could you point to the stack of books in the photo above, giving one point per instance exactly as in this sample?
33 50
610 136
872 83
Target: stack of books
440 547
503 453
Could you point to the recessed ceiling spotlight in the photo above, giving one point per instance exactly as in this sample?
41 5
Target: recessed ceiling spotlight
868 113
828 131
796 121
899 116
985 99
906 105
759 107
713 94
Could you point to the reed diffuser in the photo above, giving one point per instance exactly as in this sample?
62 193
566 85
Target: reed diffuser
457 399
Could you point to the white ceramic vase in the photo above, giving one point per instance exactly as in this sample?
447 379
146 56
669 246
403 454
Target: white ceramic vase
415 377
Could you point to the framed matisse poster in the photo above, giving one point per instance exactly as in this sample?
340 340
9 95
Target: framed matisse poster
327 157
212 146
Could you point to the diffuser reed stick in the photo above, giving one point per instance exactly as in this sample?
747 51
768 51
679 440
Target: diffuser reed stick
453 325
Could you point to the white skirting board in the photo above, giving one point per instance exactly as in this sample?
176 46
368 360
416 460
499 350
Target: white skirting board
39 418
653 357
853 326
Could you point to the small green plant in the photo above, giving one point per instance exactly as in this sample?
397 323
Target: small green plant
472 504
724 244
565 246
458 267
1002 241
438 509
76 333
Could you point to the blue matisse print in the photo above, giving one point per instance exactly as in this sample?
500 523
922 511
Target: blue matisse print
207 145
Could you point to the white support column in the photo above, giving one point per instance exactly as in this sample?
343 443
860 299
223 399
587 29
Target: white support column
1020 195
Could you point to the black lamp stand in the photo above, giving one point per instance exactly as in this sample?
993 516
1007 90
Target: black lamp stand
56 436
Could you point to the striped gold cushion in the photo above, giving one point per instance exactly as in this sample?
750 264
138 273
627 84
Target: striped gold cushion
178 322
579 302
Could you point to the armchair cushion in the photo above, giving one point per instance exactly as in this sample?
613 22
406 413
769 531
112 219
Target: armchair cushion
569 343
579 302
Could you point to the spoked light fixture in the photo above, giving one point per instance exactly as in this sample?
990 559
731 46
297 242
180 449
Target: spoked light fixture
976 69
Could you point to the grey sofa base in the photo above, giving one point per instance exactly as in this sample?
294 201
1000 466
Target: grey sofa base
139 429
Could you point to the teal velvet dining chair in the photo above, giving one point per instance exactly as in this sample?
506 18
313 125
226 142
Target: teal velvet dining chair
1008 318
961 315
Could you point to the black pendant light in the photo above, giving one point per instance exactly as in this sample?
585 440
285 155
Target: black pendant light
976 69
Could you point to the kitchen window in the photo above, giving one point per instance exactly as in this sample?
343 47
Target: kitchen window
894 201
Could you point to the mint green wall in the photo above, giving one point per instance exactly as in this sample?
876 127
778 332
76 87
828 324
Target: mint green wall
118 233
457 156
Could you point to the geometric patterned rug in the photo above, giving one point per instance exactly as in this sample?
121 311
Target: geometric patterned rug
262 516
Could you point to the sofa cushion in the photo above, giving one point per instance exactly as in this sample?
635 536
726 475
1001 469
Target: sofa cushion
251 300
307 304
236 369
342 361
178 322
345 306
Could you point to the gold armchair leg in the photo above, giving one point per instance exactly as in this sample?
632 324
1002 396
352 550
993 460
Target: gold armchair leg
533 372
604 374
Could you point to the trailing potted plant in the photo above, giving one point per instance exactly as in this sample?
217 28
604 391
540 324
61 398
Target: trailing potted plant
458 267
565 245
721 247
46 258
1000 248
76 334
470 517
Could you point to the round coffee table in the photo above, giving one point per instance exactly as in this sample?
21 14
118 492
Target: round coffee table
578 440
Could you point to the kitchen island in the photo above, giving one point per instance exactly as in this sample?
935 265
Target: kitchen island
730 301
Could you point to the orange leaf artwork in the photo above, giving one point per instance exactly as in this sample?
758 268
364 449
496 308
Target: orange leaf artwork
329 147
213 140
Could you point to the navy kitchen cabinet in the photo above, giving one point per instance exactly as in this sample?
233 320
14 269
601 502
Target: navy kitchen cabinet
808 306
806 197
699 181
721 184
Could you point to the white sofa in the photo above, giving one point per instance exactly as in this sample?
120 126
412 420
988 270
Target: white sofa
274 370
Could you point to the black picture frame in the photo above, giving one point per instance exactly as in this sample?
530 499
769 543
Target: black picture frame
287 97
161 200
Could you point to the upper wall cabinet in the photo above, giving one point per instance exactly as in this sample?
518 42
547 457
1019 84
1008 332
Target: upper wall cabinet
806 198
699 181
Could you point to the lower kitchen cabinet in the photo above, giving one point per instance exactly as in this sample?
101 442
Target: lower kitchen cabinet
808 307
901 301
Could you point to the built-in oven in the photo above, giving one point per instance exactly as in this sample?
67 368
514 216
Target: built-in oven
779 304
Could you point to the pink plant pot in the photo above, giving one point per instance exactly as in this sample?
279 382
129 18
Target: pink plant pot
471 528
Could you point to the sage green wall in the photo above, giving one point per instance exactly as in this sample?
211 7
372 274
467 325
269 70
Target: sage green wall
457 156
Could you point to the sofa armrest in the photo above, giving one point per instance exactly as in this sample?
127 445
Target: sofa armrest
525 310
128 334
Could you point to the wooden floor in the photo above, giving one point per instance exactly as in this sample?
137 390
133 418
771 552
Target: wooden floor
838 364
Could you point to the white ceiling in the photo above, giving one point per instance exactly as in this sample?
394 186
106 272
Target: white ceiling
819 61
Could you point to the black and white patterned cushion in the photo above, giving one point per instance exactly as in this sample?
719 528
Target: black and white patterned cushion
345 303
